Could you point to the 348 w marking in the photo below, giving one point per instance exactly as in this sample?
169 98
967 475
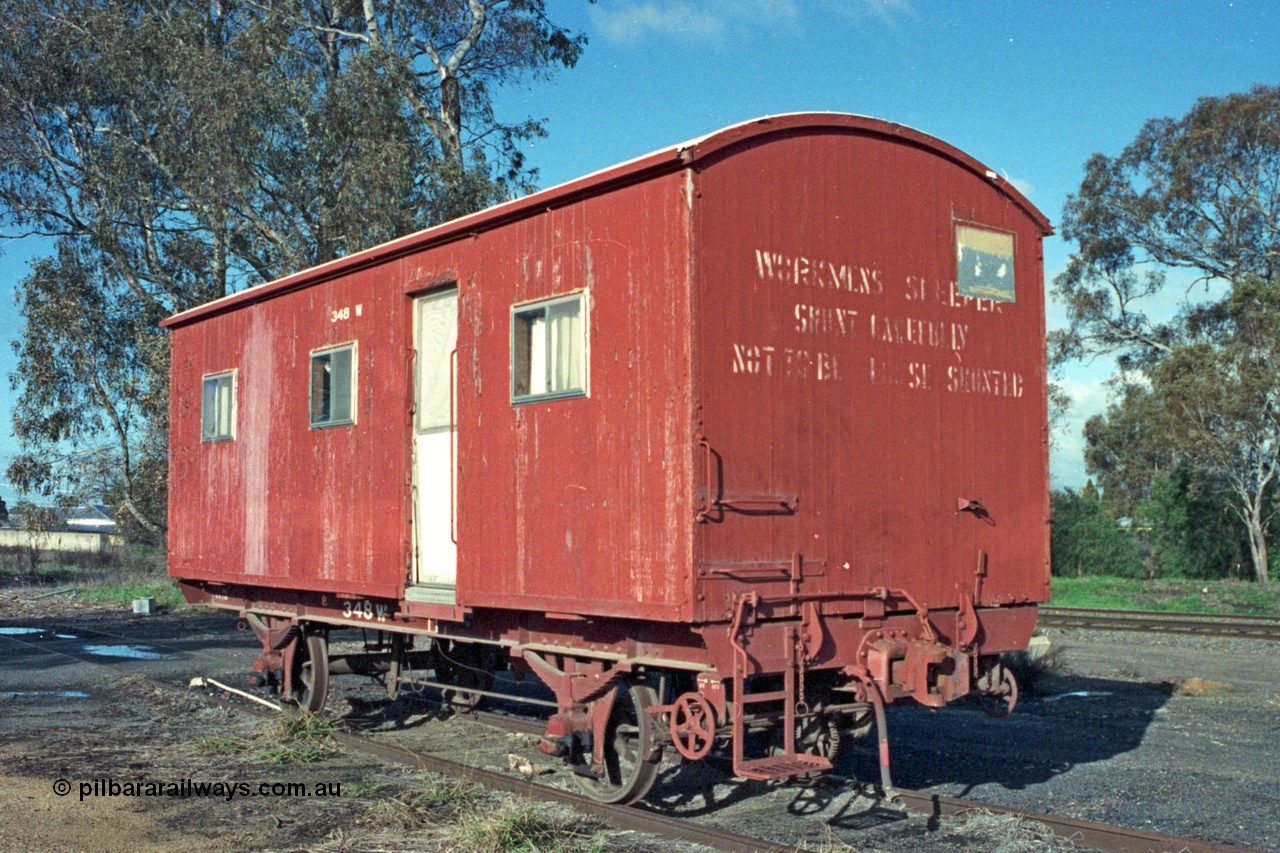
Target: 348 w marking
365 610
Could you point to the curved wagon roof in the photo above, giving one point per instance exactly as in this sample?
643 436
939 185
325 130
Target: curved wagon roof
640 168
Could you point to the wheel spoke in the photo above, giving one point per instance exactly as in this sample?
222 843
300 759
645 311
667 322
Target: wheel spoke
310 674
630 761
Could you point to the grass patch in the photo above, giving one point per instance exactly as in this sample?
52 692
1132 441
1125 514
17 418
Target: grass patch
299 739
1007 833
437 801
365 788
439 792
290 753
306 727
524 828
1177 596
164 591
218 746
113 577
1196 686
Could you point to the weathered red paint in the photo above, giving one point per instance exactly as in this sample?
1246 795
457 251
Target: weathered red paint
789 401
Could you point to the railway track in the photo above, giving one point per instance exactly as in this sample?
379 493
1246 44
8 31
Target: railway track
1097 836
639 819
1193 624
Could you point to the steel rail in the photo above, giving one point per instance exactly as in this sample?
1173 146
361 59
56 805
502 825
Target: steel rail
1193 624
1098 836
619 817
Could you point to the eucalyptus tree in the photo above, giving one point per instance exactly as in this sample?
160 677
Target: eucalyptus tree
174 151
1199 195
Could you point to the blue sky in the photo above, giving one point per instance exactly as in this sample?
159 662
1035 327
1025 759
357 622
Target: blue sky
1030 89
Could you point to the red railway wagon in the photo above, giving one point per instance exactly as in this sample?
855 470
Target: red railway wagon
744 436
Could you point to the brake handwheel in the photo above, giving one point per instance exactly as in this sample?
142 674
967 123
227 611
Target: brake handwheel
693 726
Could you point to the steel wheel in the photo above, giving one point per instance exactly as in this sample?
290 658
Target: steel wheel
1000 701
466 666
817 735
820 735
310 675
631 750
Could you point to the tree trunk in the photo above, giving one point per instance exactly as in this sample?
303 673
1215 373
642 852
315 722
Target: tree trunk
451 114
1258 545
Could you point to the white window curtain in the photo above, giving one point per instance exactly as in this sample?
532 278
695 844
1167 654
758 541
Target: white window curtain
224 407
566 356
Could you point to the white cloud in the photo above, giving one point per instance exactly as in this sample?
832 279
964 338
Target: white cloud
1087 386
715 21
632 22
888 11
1025 187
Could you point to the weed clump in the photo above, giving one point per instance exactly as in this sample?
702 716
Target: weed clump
523 827
438 800
300 739
214 745
1197 686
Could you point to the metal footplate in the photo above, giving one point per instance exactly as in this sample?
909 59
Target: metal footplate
782 766
789 762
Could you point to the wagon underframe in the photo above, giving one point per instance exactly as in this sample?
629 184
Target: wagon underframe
779 663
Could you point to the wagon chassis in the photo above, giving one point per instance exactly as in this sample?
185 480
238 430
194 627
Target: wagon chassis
626 691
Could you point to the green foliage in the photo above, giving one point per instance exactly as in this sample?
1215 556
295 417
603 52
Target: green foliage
1123 447
1199 392
179 150
1190 529
1087 539
214 745
1193 193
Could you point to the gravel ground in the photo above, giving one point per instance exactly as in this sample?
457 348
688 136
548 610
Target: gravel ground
1170 734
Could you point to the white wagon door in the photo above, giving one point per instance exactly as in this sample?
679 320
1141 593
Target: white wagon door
435 475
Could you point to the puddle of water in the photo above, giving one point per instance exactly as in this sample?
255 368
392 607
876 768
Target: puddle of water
66 636
22 631
1085 693
60 694
129 651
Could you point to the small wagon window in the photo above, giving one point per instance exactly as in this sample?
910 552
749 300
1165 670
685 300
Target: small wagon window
333 386
984 263
548 349
217 410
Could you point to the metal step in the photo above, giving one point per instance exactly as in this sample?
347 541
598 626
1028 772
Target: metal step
782 766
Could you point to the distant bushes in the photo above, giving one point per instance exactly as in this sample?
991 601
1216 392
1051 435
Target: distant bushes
1176 531
1087 540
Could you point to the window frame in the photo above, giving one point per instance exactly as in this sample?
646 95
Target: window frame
982 228
206 438
582 297
329 349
